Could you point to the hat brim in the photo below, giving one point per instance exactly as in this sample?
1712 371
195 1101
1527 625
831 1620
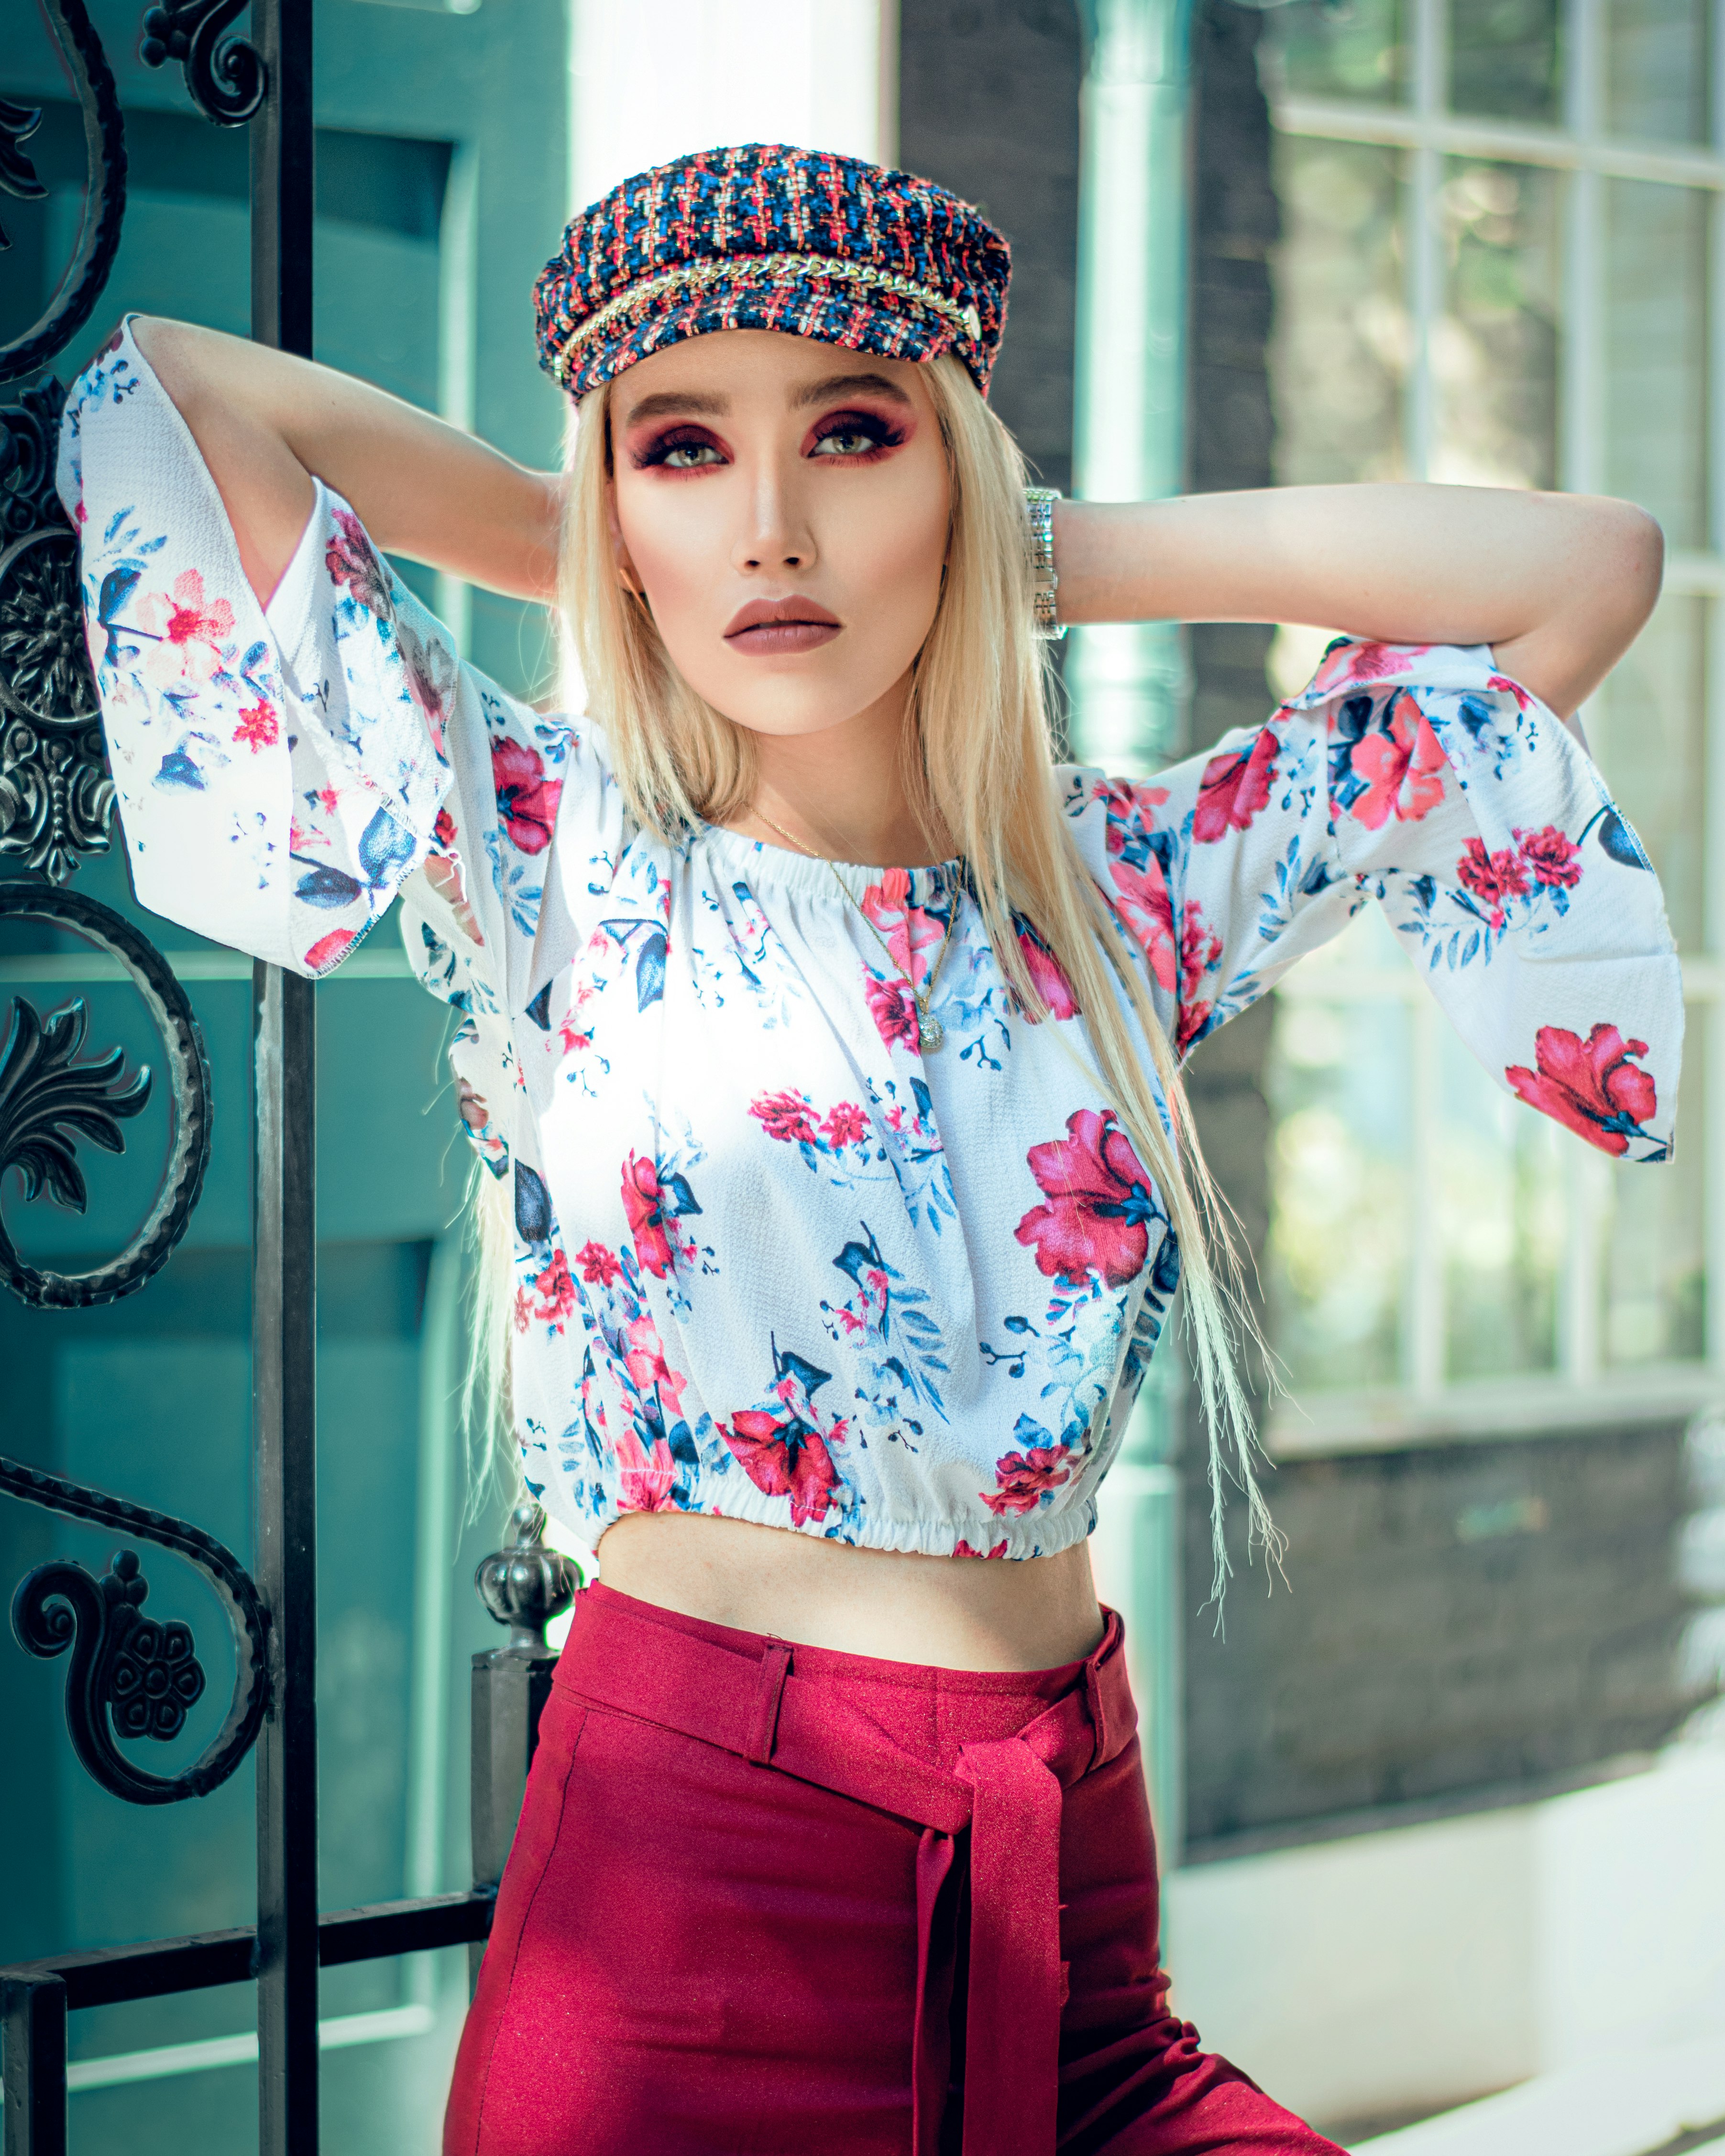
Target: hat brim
904 329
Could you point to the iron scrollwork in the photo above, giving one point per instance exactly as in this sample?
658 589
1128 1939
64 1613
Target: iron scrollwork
226 79
75 300
129 1674
47 1098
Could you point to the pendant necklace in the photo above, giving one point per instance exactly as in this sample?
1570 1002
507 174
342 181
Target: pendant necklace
930 1032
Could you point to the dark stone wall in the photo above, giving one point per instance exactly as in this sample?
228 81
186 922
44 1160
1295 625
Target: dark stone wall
988 107
1460 1619
1464 1618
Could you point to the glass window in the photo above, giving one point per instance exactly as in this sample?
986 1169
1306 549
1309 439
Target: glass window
1657 68
1504 58
1495 349
1342 337
1534 319
1315 49
1647 727
1655 247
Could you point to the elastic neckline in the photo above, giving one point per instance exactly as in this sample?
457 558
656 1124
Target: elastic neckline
758 864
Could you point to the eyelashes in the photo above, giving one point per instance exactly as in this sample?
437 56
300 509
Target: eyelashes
850 438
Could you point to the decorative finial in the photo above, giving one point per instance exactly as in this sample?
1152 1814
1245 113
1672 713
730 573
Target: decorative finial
524 1585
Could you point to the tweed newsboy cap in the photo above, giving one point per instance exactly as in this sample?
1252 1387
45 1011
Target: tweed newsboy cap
766 238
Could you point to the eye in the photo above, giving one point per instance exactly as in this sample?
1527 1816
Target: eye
682 449
855 434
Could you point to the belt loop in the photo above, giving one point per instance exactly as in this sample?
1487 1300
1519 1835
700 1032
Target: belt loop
763 1722
1093 1695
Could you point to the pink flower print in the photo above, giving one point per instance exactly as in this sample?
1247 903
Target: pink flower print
258 727
1234 788
782 1456
527 800
1555 862
1403 766
573 1030
1145 905
644 1479
962 1548
555 1292
1022 1477
653 1203
523 1308
328 799
1341 667
1046 977
845 1124
893 1009
909 932
431 673
352 564
644 1357
1492 878
1502 682
444 829
788 1116
193 620
324 953
599 1266
1590 1086
1100 1204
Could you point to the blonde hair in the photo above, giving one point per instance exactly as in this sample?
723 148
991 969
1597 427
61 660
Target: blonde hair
979 769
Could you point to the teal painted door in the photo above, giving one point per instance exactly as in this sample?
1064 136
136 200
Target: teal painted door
441 180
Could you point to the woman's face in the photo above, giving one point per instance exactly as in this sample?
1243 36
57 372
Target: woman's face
784 507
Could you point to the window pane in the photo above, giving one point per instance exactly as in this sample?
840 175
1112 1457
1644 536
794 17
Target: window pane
1654 1267
1495 349
1656 352
1313 49
1342 336
1656 69
1647 727
1502 1215
1503 57
1339 1190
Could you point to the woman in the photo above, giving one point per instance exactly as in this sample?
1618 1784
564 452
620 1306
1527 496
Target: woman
847 1199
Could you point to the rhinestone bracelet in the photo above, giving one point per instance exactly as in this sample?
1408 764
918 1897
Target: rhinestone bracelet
1039 503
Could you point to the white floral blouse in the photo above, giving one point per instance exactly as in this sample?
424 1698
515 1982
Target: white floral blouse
772 1260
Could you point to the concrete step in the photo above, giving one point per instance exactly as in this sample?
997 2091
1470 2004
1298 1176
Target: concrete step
1631 2104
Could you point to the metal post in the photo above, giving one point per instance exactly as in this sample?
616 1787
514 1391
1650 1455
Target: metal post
284 1352
32 2028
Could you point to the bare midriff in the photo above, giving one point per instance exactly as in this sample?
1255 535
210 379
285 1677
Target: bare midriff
943 1612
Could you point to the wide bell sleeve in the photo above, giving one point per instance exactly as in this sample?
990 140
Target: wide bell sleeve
1421 778
283 771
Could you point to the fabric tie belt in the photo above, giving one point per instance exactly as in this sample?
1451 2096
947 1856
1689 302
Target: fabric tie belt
1006 1796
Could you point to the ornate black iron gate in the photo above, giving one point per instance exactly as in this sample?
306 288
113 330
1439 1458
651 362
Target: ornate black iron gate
130 1678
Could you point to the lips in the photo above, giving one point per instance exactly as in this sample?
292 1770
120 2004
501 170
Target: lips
769 628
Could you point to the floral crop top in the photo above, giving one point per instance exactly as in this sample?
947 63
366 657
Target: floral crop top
772 1260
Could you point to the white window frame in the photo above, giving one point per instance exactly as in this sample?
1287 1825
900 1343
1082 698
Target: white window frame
1580 1391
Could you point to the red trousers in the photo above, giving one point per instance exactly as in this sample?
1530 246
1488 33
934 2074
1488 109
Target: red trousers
771 1901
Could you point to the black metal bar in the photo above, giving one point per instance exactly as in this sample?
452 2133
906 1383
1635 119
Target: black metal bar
111 1976
511 1686
284 1360
32 2027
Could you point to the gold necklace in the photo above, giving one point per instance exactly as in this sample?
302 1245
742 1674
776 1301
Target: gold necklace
930 1032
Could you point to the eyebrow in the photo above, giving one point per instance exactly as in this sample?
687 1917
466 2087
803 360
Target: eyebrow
842 385
668 401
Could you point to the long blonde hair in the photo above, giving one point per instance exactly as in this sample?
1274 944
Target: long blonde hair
979 769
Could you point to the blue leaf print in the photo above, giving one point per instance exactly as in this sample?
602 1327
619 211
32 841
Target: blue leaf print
327 886
674 1188
539 1010
533 1218
114 522
177 769
650 971
117 587
1620 841
384 845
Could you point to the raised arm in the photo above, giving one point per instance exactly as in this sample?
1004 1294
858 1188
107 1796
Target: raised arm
265 421
1558 584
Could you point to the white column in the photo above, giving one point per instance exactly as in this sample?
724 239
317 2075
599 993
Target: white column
1128 682
655 78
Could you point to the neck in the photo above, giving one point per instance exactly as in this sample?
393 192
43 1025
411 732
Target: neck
841 792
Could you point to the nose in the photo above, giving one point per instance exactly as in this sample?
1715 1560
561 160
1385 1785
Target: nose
776 536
